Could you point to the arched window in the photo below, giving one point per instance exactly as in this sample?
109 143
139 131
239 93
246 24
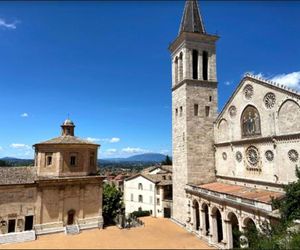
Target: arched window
176 69
140 198
205 65
250 121
195 64
140 186
180 68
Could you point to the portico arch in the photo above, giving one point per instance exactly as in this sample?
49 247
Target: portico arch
250 230
196 215
233 231
205 220
217 225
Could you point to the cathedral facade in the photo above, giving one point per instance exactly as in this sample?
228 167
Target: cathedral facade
227 167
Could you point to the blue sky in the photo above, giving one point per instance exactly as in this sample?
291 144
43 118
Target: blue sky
107 65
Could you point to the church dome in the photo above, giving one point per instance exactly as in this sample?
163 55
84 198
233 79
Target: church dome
68 122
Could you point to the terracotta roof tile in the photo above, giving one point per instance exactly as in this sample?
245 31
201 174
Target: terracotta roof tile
261 195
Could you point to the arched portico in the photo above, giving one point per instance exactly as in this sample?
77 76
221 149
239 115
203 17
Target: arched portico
233 232
205 220
250 230
217 226
196 215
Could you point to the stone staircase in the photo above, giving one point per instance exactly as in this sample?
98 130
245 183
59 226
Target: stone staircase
72 229
17 237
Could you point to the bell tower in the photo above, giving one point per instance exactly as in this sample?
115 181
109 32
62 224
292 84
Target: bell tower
194 106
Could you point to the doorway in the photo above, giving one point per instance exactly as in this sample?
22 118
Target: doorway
71 215
11 226
28 222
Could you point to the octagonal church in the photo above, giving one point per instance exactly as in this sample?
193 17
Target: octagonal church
61 192
227 167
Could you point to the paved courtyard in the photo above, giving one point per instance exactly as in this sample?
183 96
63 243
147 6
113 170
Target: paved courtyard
157 233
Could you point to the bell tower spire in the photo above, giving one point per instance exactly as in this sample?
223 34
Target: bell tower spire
194 106
191 19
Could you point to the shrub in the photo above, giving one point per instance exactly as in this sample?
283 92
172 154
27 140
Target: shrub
140 213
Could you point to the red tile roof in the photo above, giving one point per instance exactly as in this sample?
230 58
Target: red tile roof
261 195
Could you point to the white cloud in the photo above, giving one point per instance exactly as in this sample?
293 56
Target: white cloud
91 139
1 148
165 151
114 140
106 140
111 151
227 83
19 146
291 80
130 150
6 25
24 115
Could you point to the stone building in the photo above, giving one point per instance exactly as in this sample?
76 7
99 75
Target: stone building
226 166
61 192
150 190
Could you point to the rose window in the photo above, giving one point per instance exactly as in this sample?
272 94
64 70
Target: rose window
269 100
232 111
269 155
238 156
252 155
293 155
248 91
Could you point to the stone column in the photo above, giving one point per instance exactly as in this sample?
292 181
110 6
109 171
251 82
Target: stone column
180 68
39 207
227 234
187 64
212 226
200 66
202 222
81 202
61 205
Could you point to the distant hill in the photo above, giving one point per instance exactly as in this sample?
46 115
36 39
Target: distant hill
11 161
148 157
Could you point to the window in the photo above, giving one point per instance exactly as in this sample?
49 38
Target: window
170 177
176 69
210 98
207 111
195 64
48 159
140 186
131 197
140 208
164 177
180 111
205 65
196 107
92 159
157 191
176 111
158 201
73 160
140 198
250 121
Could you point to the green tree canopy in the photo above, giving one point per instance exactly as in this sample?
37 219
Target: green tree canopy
167 161
112 203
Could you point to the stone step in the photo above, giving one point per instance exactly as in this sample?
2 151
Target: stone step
72 229
17 237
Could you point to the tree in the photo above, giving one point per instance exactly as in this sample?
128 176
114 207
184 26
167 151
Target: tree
167 161
112 203
3 163
284 234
